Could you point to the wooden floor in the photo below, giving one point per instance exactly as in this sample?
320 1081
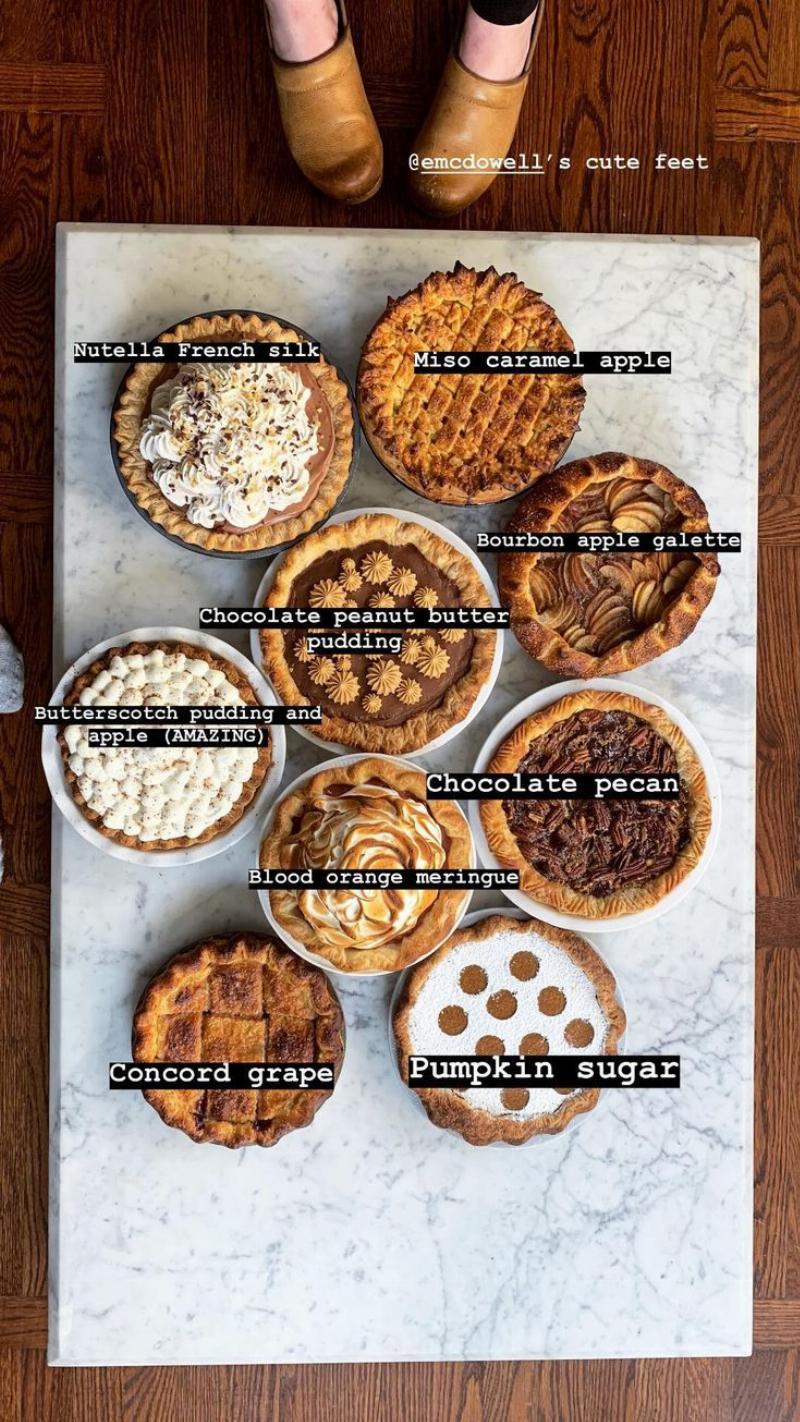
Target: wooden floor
142 110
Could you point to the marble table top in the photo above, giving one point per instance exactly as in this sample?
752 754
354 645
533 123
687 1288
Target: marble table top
373 1236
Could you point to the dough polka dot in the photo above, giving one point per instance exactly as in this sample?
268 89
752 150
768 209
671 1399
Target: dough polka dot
502 1004
524 966
552 1001
453 1020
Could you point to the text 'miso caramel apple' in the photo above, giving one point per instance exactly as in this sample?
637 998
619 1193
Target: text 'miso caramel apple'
370 814
460 438
244 997
598 614
600 858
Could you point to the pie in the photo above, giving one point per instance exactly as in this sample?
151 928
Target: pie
597 614
393 702
242 998
466 438
169 797
369 815
237 456
599 858
507 987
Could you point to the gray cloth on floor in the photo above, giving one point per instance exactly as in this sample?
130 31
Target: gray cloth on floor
12 674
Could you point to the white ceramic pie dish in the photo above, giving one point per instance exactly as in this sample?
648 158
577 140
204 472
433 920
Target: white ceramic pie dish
52 759
449 537
264 894
469 919
576 922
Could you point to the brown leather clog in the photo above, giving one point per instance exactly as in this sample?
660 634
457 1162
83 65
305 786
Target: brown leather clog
469 116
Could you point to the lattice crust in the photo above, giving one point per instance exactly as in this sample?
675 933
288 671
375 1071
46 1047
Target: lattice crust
466 439
587 614
571 821
250 789
133 405
453 1110
242 998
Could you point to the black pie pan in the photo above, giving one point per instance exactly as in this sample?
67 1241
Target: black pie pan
274 548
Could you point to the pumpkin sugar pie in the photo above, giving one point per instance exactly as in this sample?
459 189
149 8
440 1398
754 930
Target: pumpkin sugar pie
598 614
371 814
240 998
505 987
170 797
599 858
395 702
466 438
234 457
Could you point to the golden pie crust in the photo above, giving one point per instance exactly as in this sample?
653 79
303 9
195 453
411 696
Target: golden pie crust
235 677
466 439
238 998
133 403
448 1109
434 923
586 614
418 729
627 898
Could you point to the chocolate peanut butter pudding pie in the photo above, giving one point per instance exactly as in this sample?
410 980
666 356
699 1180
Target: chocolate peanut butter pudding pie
467 438
596 614
160 797
393 702
370 815
240 998
600 858
234 457
507 987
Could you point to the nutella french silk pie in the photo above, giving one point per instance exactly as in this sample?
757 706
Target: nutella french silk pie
234 457
395 701
600 858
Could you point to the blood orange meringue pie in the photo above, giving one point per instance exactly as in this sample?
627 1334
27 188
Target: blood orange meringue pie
238 456
370 815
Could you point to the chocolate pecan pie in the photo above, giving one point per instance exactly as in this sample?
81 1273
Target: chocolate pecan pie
165 797
372 814
394 701
505 987
596 614
466 438
600 858
239 998
234 457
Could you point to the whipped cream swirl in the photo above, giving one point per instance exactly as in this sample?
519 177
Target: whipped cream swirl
370 826
230 443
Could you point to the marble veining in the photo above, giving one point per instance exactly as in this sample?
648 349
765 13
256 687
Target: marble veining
372 1235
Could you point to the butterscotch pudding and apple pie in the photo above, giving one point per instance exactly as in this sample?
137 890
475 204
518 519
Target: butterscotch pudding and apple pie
234 457
371 814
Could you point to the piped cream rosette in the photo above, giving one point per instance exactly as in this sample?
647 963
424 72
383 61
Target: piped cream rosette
370 814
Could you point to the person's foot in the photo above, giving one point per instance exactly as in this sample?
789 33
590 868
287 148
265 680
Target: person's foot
494 52
302 29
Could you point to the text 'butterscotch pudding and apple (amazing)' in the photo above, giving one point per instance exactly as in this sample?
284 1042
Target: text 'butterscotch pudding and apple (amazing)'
598 614
241 998
602 858
238 457
504 987
381 702
466 439
160 798
371 814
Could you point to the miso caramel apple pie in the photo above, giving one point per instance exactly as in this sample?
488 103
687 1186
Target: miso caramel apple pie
367 814
165 797
596 614
241 998
234 457
507 987
467 438
393 702
599 858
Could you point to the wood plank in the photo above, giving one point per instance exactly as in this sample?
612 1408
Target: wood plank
23 1323
757 115
52 88
777 1123
743 43
23 1098
783 70
776 1323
